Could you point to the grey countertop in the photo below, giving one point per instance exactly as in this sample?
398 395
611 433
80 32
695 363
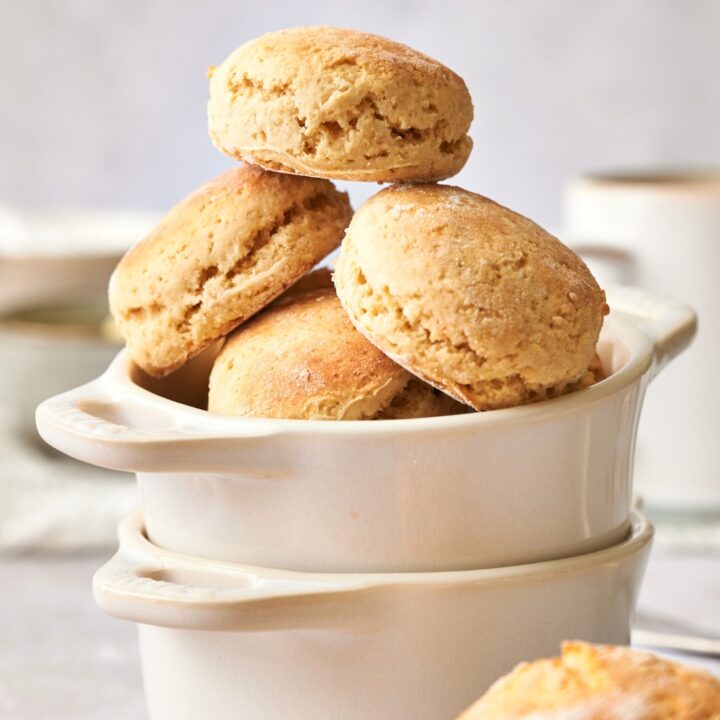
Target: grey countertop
62 659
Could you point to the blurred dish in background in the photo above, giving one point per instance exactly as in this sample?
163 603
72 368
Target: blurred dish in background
46 252
661 231
48 345
54 334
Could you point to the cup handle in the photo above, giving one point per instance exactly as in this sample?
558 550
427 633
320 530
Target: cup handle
104 426
669 325
173 590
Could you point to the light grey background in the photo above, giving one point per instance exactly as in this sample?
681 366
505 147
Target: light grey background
103 103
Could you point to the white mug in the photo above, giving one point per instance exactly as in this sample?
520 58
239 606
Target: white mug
661 232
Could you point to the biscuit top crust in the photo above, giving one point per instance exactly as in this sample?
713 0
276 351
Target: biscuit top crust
332 47
227 211
218 257
302 358
468 294
340 102
600 682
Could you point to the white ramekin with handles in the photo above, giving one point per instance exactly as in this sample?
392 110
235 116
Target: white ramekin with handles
470 491
221 641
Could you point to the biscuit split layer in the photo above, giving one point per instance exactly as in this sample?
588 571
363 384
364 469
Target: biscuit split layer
468 295
218 257
342 104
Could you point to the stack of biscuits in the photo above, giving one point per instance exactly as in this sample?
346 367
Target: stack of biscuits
443 301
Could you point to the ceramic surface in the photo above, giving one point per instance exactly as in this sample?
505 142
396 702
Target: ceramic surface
480 490
217 637
39 360
662 232
55 259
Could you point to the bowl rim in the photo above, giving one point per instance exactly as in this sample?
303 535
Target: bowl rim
617 328
135 544
659 179
138 584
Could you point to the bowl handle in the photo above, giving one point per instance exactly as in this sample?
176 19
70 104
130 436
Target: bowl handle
101 425
178 591
669 325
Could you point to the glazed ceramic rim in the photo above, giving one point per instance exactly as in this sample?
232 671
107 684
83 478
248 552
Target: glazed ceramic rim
118 381
53 333
14 326
134 541
665 179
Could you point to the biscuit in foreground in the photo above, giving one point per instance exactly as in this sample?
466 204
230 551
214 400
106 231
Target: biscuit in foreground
341 104
218 257
469 296
303 359
600 682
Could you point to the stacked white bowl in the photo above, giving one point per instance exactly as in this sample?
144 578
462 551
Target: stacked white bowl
388 569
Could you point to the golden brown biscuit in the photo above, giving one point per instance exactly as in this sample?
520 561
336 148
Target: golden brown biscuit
600 683
302 358
218 257
468 295
594 374
340 104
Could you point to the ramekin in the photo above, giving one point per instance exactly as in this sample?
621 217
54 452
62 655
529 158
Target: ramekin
520 485
221 641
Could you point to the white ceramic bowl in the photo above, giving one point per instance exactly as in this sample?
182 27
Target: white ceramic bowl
222 641
480 490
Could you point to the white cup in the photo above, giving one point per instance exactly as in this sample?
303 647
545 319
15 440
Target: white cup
661 232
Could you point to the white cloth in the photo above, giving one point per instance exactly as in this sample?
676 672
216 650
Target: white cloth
50 502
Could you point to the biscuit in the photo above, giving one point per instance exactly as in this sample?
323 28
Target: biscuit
418 399
342 104
302 358
600 682
595 373
469 296
218 257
